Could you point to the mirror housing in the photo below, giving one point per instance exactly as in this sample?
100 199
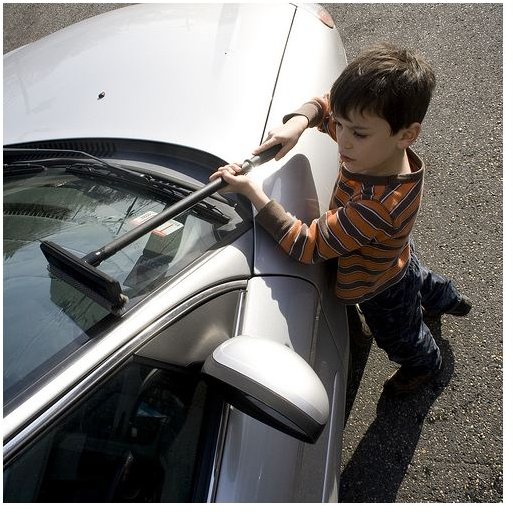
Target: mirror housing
270 382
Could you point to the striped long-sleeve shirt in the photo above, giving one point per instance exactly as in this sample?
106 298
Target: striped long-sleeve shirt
367 227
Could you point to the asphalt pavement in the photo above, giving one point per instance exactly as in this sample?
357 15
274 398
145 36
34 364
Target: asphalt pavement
444 444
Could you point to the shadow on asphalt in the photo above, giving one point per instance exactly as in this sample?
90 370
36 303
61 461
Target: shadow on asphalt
379 464
360 349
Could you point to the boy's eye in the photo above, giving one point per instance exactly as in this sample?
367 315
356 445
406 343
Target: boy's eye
361 136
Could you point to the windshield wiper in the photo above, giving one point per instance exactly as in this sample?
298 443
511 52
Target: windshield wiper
54 160
23 167
165 188
96 166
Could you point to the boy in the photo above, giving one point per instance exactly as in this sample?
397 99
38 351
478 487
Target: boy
374 112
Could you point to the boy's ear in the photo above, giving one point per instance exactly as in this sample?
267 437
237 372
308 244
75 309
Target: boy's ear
408 135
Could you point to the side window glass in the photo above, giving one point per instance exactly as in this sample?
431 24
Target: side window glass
138 438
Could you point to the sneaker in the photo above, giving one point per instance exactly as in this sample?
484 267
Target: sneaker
462 308
403 381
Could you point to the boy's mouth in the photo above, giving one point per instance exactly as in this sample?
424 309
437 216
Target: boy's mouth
345 158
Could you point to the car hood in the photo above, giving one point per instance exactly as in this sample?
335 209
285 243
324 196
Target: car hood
199 75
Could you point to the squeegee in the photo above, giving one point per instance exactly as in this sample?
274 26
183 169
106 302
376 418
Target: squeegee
83 274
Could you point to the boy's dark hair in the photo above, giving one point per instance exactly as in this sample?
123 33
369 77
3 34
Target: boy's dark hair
393 83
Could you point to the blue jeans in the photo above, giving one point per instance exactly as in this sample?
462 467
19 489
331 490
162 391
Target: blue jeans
395 316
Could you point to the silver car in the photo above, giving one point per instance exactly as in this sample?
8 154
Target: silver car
158 348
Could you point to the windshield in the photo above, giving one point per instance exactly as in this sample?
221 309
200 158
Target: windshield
45 319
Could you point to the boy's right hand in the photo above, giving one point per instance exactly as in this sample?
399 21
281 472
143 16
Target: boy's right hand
230 174
241 184
287 135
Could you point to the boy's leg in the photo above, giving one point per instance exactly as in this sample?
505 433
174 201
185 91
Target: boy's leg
439 294
395 319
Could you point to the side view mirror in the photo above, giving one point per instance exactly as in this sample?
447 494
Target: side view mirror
270 382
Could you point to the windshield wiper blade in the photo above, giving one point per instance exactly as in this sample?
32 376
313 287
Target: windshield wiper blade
107 164
204 208
95 165
110 169
23 167
161 186
164 187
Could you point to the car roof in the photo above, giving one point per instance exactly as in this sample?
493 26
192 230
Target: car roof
198 75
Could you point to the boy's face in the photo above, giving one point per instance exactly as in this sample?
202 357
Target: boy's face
366 144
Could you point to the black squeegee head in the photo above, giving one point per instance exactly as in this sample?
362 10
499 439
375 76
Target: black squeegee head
81 275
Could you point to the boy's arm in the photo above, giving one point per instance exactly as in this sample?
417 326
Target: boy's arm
335 233
316 110
314 113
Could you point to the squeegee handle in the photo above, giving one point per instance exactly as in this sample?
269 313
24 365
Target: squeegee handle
246 167
263 157
94 258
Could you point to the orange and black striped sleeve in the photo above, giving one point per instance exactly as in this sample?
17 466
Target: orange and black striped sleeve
318 112
336 233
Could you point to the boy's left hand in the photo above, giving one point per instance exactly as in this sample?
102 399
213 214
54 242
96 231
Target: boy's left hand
286 135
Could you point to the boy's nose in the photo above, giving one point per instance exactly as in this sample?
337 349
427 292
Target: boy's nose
345 144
